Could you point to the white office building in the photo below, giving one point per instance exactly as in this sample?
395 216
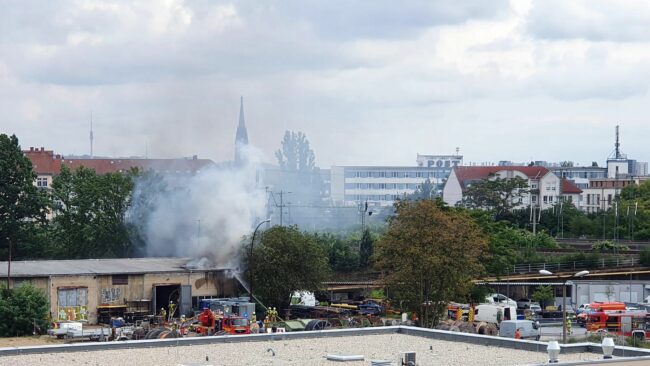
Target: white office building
382 185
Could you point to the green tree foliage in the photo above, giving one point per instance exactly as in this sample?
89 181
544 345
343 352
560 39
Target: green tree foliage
644 257
284 261
429 255
508 245
604 246
342 253
22 205
89 210
499 195
635 211
23 310
544 295
365 249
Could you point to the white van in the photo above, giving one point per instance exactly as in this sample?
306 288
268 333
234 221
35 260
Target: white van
495 313
500 299
527 328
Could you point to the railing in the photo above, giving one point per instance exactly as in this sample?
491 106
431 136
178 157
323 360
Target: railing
573 265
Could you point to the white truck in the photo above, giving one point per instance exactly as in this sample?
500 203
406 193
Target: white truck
495 313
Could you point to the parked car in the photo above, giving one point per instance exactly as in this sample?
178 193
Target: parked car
527 328
524 303
371 309
535 308
500 299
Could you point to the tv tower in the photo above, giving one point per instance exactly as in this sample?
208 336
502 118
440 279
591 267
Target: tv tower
91 135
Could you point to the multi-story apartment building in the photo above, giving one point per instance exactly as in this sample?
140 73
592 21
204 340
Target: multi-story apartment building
602 193
382 185
580 175
46 165
545 189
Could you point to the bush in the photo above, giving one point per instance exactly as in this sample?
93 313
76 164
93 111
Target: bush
644 257
592 260
23 311
605 246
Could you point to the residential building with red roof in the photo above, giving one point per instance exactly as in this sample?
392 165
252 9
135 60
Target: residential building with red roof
545 188
46 164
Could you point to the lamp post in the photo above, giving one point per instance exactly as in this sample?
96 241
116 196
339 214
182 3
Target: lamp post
250 258
566 280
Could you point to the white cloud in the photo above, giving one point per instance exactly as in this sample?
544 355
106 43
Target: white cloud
369 82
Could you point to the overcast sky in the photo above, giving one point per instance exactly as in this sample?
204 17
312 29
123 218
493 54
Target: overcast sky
370 82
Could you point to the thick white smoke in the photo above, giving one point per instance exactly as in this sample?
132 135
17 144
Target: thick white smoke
200 216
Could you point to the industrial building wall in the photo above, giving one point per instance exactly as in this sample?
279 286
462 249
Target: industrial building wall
620 290
77 297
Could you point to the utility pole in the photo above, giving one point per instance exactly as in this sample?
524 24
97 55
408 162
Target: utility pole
534 217
616 221
282 205
91 136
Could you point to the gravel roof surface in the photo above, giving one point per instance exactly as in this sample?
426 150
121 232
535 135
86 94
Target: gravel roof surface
302 352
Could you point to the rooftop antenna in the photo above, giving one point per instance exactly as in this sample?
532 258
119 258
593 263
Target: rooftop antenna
91 135
457 150
617 145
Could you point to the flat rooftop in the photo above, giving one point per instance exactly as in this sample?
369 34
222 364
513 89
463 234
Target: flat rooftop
303 351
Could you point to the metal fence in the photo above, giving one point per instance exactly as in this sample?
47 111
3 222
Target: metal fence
570 266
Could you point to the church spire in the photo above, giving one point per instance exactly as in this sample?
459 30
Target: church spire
241 138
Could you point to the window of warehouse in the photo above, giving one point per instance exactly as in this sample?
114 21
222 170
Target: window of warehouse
120 280
72 303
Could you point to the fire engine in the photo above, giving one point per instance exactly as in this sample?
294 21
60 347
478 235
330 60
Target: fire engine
620 322
596 307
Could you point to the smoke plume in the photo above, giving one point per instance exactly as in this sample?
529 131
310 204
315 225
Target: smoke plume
204 215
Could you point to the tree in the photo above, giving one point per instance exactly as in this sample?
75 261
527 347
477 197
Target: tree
286 260
299 176
365 249
428 256
341 255
499 195
426 191
23 310
90 210
544 295
295 154
22 204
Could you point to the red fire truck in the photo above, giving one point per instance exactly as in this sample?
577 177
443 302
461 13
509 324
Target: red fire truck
620 322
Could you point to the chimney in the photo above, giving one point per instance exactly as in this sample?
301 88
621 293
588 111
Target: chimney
42 149
58 156
195 157
31 148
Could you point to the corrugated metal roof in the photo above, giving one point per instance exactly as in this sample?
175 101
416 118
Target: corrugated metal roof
99 266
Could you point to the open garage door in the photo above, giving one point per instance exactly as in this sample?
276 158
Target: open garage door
163 295
185 302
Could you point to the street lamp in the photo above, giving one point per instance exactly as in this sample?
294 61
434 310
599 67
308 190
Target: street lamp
250 258
566 280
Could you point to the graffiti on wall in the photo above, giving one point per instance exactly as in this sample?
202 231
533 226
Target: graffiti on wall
110 295
72 313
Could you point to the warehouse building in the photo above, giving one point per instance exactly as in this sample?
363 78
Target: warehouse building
93 290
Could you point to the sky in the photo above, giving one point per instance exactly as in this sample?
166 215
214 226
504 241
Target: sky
370 82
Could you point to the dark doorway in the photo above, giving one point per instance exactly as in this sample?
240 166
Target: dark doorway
163 295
